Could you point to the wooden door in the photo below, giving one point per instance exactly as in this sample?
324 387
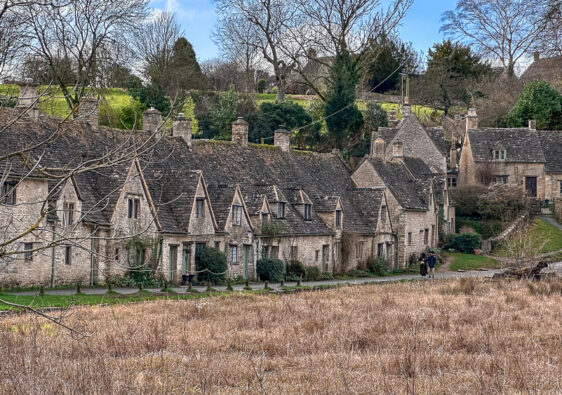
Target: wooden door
173 263
531 186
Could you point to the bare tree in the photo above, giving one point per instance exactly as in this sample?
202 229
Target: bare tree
84 31
261 26
550 43
501 29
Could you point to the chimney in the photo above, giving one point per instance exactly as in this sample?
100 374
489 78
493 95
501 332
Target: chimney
378 147
452 157
151 120
532 124
397 151
536 56
88 111
471 119
282 139
182 128
392 121
27 98
406 109
240 132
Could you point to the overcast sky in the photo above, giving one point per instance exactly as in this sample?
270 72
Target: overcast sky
198 18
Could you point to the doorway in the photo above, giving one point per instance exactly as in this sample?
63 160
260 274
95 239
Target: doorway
531 186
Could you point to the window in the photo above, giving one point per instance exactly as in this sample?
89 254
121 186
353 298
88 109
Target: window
117 254
501 179
409 238
133 208
69 213
233 253
307 212
265 252
316 255
499 154
236 215
338 218
280 210
8 194
359 250
293 253
198 247
199 205
561 187
383 213
274 252
380 250
264 218
217 245
426 236
452 182
388 251
28 255
67 255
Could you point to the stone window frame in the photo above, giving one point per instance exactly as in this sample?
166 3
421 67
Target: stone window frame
281 210
500 155
199 207
339 217
133 207
383 213
380 252
426 236
307 211
28 254
68 255
68 208
264 217
409 238
451 181
236 215
233 254
8 193
560 182
316 255
501 179
359 250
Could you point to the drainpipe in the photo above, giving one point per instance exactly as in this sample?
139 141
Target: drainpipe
92 259
53 260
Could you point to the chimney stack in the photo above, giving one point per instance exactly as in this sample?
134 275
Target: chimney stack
240 132
378 147
88 111
471 119
282 139
532 124
182 128
406 109
397 151
151 120
453 157
392 121
27 99
536 56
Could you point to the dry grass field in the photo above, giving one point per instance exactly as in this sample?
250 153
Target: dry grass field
438 337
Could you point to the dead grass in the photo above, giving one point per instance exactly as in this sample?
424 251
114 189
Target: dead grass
390 338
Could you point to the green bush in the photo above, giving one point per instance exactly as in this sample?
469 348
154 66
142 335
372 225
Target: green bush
295 270
215 262
313 273
261 85
378 266
145 277
356 273
465 242
270 269
487 229
327 276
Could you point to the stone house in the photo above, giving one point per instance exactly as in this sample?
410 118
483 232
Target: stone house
522 156
544 69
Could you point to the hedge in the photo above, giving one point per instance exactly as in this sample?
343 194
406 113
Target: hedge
270 269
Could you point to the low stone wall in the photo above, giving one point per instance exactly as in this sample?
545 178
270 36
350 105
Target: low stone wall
558 209
489 244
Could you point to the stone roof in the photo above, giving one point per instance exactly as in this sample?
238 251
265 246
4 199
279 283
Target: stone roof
437 135
521 145
368 202
545 69
408 191
551 143
418 168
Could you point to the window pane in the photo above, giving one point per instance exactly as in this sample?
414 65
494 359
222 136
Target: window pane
233 253
137 208
130 209
28 255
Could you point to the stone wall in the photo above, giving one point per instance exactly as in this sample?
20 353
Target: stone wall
558 209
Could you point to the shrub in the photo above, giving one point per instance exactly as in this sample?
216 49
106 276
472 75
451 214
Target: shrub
466 242
313 273
377 266
356 273
327 276
215 262
261 85
488 228
295 269
270 269
466 200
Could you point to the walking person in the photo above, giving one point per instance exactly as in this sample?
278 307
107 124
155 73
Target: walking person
423 265
431 262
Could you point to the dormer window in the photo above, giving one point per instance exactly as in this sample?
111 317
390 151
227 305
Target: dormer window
236 215
199 204
133 211
338 218
264 217
280 210
500 154
307 211
69 213
8 193
383 213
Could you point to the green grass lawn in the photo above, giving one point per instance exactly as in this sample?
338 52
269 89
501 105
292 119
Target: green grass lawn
549 234
471 262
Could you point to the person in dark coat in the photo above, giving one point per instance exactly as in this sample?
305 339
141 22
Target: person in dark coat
423 265
431 262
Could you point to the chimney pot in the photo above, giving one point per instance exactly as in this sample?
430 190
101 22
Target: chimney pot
406 109
282 139
182 128
240 132
532 124
151 120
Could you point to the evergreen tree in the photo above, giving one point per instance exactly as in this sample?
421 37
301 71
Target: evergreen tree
539 101
343 118
183 72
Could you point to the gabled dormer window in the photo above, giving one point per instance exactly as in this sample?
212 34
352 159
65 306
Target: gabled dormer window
307 211
236 215
383 213
280 210
133 209
199 205
338 218
8 193
500 154
264 217
69 213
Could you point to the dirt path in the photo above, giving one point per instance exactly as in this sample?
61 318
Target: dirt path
446 266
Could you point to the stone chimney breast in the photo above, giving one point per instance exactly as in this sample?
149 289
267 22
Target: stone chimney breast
282 139
398 150
406 109
392 120
88 111
182 128
471 119
378 148
27 99
151 120
240 132
532 124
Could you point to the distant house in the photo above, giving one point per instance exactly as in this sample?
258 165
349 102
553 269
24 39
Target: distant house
544 69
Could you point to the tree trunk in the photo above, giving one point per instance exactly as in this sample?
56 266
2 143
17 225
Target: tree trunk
281 88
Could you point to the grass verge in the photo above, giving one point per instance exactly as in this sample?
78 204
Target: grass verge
472 262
